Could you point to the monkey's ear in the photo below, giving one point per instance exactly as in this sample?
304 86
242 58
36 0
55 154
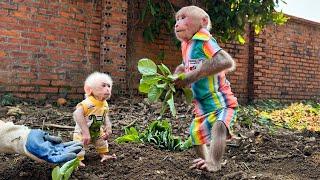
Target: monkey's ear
88 90
204 22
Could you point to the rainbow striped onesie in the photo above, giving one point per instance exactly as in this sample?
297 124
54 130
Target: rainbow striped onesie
213 98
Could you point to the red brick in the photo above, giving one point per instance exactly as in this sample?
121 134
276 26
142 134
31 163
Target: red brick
49 89
7 19
21 15
46 76
2 53
10 6
11 33
38 96
31 35
40 82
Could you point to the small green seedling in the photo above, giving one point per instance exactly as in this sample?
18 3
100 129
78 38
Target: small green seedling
65 171
160 86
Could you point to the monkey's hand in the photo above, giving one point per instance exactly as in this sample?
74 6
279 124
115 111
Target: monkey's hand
86 137
179 69
183 80
107 133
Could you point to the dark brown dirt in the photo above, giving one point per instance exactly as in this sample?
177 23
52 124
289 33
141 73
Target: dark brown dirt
255 155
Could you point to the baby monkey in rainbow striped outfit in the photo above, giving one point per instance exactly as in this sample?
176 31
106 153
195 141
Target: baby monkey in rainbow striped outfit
204 69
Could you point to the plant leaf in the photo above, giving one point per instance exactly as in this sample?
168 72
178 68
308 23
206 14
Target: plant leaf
56 173
162 86
127 138
151 79
170 102
147 67
164 70
241 39
68 165
144 87
186 144
143 14
188 94
133 131
173 77
153 11
173 89
154 93
69 172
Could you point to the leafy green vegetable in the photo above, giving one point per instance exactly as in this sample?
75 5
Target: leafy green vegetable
131 135
160 86
159 133
65 171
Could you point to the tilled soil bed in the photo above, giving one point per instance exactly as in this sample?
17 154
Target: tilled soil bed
255 154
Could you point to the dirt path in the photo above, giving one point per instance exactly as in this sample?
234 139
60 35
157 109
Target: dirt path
256 155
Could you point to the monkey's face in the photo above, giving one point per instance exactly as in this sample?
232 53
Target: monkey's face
102 91
186 26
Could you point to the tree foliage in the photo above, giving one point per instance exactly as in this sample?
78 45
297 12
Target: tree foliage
229 17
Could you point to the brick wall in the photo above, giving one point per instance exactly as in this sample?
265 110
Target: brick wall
114 43
47 47
287 61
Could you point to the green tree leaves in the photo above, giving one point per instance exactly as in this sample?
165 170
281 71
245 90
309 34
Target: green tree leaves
230 17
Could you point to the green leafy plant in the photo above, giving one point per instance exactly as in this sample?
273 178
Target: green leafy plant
65 171
158 133
7 100
247 115
159 85
130 135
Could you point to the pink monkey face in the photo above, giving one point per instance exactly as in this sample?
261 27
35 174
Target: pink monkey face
102 91
186 26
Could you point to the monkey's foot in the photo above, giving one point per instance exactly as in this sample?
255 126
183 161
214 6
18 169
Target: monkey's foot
201 164
107 157
81 164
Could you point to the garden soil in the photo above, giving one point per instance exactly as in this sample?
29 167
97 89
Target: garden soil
254 153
